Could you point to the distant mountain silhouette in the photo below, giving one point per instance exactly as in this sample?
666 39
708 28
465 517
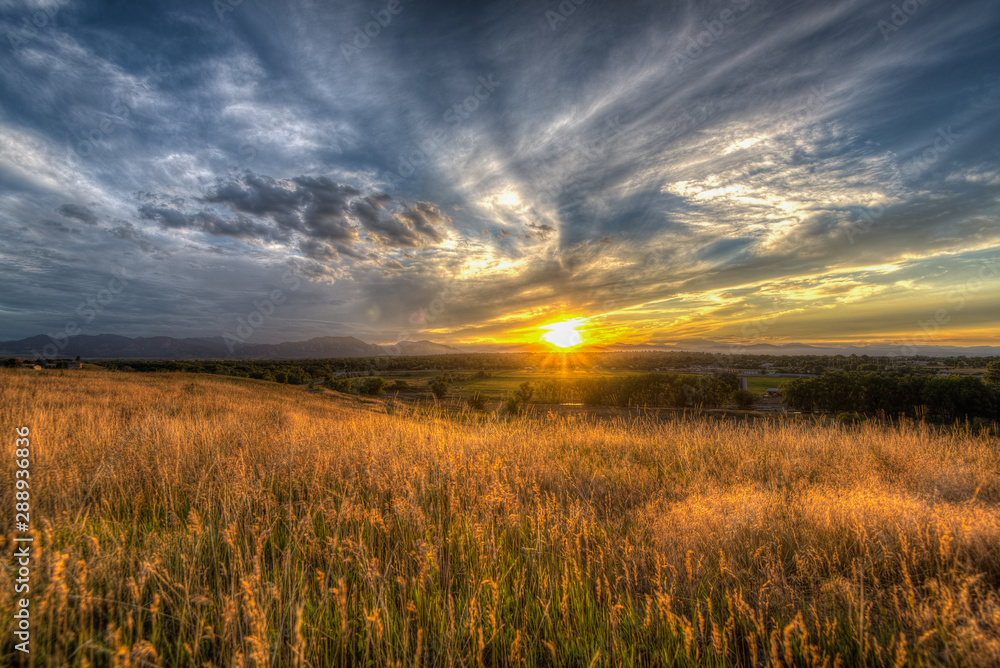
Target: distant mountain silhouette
425 347
112 346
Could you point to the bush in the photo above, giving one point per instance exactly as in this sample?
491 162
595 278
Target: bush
744 399
525 391
341 385
373 385
514 404
477 401
850 418
439 388
992 374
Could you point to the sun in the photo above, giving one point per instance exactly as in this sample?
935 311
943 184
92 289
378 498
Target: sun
563 334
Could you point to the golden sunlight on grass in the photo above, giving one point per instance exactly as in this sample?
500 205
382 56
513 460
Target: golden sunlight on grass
188 520
563 334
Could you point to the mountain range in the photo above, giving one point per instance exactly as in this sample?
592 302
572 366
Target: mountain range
872 350
112 346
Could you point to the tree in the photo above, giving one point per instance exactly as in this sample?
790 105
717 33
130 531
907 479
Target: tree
729 379
800 393
744 399
439 388
340 385
525 391
373 385
514 404
993 374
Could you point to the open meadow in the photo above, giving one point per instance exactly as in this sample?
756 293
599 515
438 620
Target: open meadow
194 520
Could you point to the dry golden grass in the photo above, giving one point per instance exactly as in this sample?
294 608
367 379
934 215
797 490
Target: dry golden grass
191 520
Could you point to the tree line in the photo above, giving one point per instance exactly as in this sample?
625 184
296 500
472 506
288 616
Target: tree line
654 389
946 397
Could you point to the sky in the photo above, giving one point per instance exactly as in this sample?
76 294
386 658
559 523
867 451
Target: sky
740 171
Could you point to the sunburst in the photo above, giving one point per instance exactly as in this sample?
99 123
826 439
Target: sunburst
563 334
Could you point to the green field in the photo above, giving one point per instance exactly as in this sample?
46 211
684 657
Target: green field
501 383
760 384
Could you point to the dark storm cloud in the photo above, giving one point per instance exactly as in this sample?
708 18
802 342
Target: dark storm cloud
313 206
238 226
317 208
78 212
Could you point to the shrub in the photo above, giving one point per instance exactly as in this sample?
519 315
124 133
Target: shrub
373 385
992 374
439 388
514 404
850 418
341 385
477 401
744 399
525 391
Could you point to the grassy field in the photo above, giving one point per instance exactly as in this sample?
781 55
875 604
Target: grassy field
502 383
185 520
761 384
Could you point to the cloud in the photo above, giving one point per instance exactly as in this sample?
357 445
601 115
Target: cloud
127 231
317 250
78 212
607 176
426 220
316 209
